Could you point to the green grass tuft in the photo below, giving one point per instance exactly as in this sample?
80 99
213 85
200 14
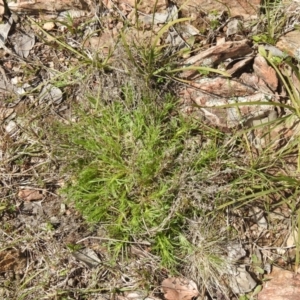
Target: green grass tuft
126 169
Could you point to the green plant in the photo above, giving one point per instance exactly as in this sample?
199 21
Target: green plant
286 70
272 20
214 24
129 164
150 58
126 177
262 38
252 295
71 24
256 264
155 61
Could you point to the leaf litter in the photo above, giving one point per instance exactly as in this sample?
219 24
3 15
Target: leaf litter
23 43
179 289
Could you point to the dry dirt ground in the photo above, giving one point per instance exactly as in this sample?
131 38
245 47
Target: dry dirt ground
40 233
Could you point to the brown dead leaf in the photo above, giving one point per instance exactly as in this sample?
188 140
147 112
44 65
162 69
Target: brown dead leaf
11 260
30 195
179 289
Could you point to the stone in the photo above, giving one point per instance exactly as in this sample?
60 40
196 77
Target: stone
283 285
222 87
231 69
252 80
216 54
48 26
290 43
265 72
213 107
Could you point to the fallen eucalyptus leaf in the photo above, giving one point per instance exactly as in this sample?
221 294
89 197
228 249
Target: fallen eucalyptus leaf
176 288
88 257
24 43
30 195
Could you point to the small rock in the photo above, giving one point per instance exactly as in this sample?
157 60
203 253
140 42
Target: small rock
213 110
99 43
251 79
233 67
275 51
223 87
71 282
235 251
11 127
241 281
48 26
259 218
54 221
233 27
5 28
138 295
